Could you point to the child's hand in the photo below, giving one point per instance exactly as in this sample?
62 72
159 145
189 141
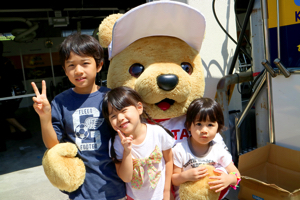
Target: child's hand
41 104
125 141
222 181
195 174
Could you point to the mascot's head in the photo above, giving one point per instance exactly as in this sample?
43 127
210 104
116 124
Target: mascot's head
154 49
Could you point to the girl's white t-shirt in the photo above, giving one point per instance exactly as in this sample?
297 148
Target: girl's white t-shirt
155 136
184 158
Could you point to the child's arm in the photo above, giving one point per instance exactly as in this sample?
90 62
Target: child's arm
224 180
43 108
168 156
179 176
125 168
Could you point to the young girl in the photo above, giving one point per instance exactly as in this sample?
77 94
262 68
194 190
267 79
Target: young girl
204 120
142 152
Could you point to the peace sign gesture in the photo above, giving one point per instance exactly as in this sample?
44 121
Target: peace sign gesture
41 104
125 141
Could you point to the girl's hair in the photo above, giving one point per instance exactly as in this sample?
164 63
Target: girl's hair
120 98
80 45
202 108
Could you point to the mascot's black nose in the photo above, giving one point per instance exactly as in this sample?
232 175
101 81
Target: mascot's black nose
167 82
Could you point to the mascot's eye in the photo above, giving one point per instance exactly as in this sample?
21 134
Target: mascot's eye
136 70
187 67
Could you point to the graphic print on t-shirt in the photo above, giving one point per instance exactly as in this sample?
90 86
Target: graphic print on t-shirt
195 162
86 122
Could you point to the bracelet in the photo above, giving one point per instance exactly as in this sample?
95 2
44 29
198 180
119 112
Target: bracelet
237 182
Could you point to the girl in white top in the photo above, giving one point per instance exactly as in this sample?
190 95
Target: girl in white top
204 119
142 152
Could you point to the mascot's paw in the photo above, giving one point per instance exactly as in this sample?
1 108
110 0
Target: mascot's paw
63 169
199 190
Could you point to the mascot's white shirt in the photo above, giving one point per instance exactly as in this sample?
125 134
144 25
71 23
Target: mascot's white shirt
176 126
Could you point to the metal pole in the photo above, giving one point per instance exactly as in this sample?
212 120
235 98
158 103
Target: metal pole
239 121
269 85
23 71
280 66
258 49
53 76
278 30
269 68
238 137
252 100
222 98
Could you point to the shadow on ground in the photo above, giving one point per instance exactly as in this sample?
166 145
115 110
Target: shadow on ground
26 153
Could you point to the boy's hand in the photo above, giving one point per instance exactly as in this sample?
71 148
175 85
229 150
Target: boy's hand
125 141
222 181
41 104
195 174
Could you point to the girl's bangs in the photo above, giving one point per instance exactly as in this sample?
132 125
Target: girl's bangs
120 101
206 114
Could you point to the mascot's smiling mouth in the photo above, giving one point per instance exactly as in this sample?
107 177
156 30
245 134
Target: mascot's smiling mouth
165 104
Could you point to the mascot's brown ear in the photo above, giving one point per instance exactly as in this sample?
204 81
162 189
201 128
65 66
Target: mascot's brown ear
105 29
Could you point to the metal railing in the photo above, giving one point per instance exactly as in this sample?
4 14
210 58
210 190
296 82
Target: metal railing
251 101
223 98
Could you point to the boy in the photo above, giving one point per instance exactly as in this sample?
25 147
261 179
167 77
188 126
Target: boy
77 109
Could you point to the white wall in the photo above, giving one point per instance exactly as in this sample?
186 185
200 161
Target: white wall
217 48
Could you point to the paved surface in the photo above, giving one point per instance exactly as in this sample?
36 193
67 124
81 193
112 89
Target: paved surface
21 173
28 184
32 184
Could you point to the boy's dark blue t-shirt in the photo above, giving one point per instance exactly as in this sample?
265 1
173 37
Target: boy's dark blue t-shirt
78 118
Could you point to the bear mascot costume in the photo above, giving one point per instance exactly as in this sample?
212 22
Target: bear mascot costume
154 49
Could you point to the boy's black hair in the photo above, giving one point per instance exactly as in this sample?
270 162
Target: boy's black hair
80 45
202 108
120 98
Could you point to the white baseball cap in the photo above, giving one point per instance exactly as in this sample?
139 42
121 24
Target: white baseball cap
158 18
